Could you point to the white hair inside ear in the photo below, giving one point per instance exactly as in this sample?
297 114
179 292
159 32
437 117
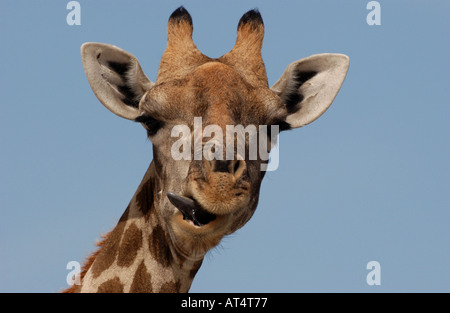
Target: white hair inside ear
116 78
309 86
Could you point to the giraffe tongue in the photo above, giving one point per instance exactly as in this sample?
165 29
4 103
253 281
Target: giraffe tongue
191 209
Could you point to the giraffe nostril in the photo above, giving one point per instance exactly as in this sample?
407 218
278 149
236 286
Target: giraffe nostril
239 168
224 166
233 167
236 166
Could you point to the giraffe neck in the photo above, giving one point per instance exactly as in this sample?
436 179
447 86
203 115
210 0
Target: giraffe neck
138 255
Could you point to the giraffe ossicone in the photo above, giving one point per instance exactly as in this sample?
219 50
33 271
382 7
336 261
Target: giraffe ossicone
183 207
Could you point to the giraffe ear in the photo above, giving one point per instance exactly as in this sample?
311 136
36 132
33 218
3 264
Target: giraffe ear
309 86
115 77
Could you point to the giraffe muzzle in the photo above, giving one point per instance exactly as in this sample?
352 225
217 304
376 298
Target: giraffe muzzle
190 209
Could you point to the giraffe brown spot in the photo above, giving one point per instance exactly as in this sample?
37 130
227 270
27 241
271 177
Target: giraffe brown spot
144 198
142 280
111 286
131 243
159 249
108 251
170 287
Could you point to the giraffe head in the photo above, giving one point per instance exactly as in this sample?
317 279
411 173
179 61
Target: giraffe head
191 107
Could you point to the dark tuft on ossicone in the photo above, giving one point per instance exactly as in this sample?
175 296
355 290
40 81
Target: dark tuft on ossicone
252 16
180 15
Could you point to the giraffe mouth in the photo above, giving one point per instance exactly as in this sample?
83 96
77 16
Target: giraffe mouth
191 209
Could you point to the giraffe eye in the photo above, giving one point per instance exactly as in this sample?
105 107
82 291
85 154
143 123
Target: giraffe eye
151 125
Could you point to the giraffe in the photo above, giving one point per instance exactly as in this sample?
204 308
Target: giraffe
183 208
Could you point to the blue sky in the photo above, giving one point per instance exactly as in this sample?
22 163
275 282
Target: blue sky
368 181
